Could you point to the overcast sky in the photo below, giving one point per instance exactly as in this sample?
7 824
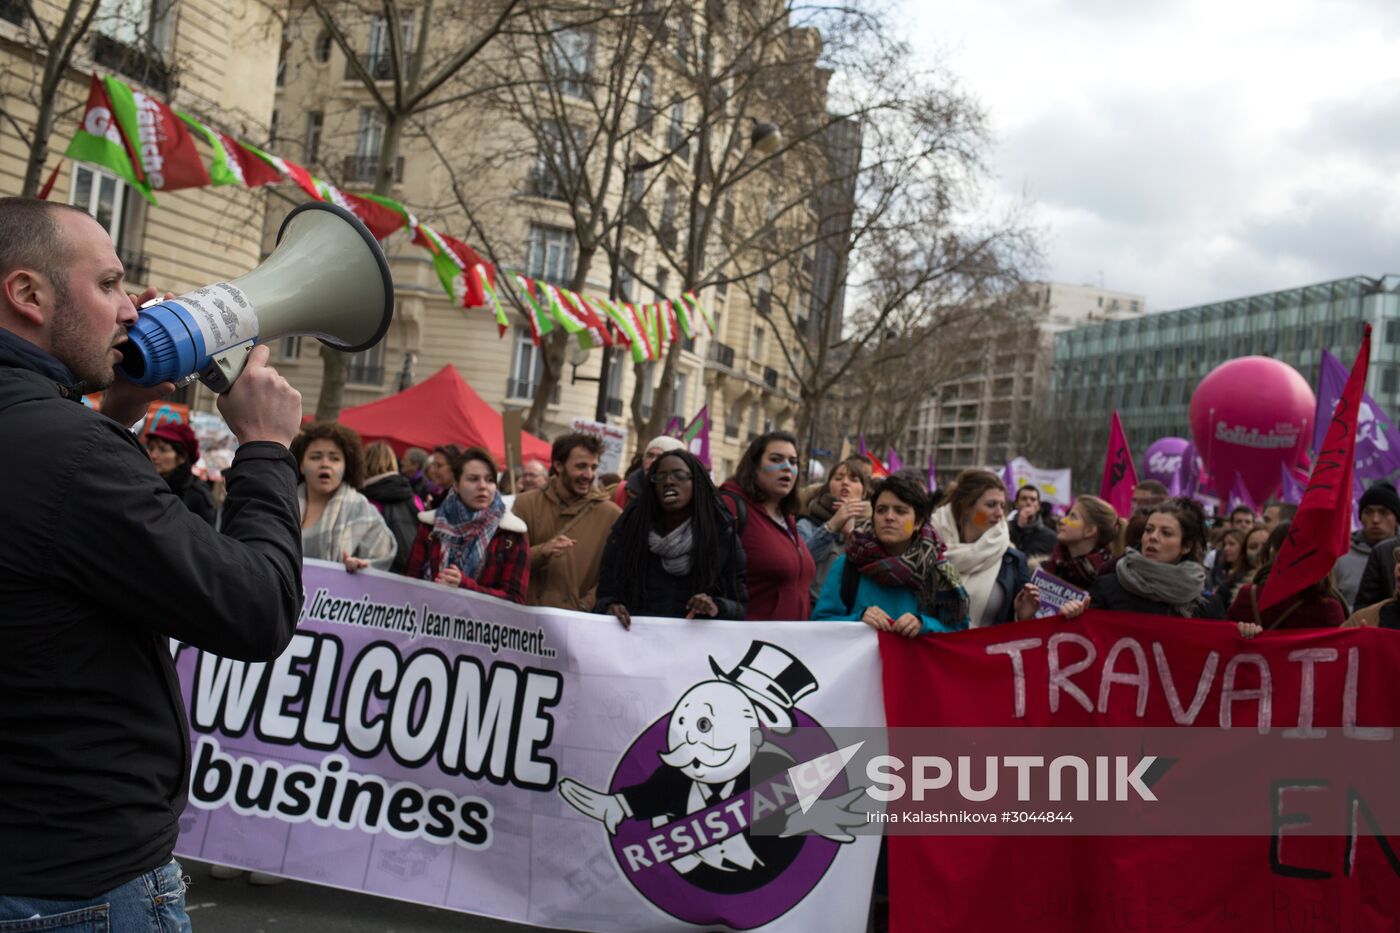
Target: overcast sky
1189 150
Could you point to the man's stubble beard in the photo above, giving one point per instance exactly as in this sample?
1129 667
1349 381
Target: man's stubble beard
91 370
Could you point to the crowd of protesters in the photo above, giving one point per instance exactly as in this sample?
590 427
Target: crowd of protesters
662 540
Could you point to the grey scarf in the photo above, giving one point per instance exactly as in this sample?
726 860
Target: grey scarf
674 549
1178 585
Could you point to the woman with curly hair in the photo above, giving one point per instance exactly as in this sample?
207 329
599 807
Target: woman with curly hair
473 540
337 522
674 552
893 576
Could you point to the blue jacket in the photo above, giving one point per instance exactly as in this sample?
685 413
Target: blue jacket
895 600
1014 575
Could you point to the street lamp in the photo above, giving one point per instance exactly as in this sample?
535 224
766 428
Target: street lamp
765 139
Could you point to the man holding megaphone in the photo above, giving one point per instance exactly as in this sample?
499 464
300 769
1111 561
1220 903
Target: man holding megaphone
100 565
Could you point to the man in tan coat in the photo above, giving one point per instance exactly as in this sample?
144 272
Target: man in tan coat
569 521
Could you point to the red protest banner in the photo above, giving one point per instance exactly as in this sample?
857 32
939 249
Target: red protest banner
1113 669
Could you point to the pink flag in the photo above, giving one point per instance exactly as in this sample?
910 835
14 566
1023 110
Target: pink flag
1119 474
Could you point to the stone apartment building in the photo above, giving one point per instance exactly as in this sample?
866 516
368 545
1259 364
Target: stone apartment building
994 404
214 59
327 118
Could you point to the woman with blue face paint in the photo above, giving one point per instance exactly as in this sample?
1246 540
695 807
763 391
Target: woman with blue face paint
762 498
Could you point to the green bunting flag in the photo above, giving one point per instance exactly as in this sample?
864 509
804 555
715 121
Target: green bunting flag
99 141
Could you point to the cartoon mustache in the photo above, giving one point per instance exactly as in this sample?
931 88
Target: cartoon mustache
687 752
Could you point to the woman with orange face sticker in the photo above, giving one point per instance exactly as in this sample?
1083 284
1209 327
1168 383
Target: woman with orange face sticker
1084 542
973 524
893 576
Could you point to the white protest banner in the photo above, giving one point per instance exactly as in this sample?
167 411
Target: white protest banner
1054 485
443 747
614 440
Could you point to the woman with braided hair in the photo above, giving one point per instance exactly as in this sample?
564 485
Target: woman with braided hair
674 552
893 575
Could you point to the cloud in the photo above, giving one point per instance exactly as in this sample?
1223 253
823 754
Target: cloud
1192 151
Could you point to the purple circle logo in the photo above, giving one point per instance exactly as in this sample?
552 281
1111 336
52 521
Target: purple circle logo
697 804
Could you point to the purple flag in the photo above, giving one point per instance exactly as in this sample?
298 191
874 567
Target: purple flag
894 463
675 427
1239 496
862 444
1292 493
932 475
1377 440
1009 480
1357 490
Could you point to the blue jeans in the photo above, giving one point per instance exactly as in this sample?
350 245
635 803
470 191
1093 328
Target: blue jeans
151 903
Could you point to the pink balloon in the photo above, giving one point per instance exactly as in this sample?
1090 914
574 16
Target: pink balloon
1249 415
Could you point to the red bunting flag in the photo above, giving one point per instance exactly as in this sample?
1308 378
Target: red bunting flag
381 219
1119 474
1321 531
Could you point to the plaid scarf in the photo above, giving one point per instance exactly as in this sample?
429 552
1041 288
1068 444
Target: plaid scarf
921 569
464 534
1078 571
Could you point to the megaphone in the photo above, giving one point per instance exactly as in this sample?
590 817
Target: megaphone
326 278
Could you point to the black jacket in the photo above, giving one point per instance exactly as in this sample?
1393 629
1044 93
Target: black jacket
667 594
1035 540
1108 593
100 566
196 496
1015 573
394 495
1378 579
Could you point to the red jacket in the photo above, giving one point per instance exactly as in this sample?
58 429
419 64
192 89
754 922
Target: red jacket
505 572
778 568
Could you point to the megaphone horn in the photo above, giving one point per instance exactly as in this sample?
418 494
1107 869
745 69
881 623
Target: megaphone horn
326 278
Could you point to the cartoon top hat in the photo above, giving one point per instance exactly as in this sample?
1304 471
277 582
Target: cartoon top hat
773 679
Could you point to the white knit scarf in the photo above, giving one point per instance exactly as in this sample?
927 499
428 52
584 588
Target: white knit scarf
978 563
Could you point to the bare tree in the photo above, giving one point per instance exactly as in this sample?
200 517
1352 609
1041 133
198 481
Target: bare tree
403 84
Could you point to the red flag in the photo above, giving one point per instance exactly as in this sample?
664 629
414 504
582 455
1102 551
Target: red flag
380 220
168 154
877 469
1321 531
1119 474
254 166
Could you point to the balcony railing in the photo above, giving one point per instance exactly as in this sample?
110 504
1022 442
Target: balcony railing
723 354
140 63
365 167
379 65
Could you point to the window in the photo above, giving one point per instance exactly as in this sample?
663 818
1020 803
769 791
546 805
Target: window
636 211
102 195
675 133
377 59
721 285
289 348
1392 332
526 366
369 140
323 47
648 387
139 24
1388 383
666 230
756 345
663 282
646 107
678 404
12 11
571 61
367 367
764 304
549 254
311 145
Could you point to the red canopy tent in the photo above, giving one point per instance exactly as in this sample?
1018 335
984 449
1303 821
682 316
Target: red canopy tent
442 409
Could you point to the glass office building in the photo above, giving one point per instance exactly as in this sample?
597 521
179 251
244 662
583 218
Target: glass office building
1147 368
